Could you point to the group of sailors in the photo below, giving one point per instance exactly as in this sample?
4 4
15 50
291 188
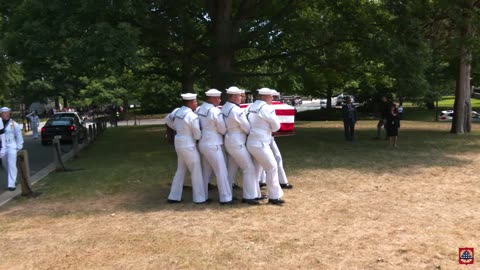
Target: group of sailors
246 137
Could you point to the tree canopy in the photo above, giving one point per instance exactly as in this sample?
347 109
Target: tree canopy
110 52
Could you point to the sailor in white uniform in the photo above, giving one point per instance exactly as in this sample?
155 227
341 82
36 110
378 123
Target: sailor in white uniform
232 166
213 128
12 143
235 139
35 122
282 176
186 124
264 121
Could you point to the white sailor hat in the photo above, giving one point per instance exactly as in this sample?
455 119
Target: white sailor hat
275 92
189 96
242 91
213 93
233 90
265 91
4 109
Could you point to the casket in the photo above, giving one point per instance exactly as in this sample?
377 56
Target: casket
286 114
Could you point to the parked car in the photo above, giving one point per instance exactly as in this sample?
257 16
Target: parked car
292 100
337 100
340 99
65 127
68 114
447 116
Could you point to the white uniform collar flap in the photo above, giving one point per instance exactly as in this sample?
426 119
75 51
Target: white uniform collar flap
256 106
204 109
182 112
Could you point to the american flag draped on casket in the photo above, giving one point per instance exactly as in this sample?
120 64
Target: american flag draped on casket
286 114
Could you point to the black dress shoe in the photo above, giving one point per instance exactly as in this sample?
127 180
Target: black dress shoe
173 201
276 201
11 189
286 186
263 197
263 185
227 203
250 201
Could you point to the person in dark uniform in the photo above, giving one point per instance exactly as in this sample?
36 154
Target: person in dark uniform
392 124
349 113
383 113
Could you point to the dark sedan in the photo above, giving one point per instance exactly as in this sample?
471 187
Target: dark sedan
64 127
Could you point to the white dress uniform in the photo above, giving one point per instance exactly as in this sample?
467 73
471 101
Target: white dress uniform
13 143
213 128
235 138
185 122
35 122
282 176
263 122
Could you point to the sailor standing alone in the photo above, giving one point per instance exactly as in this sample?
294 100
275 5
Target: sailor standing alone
210 146
35 121
186 124
264 121
12 144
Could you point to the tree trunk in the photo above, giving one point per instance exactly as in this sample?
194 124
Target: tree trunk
65 102
222 34
187 84
329 99
462 109
57 103
187 67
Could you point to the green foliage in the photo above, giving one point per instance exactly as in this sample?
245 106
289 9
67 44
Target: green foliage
110 52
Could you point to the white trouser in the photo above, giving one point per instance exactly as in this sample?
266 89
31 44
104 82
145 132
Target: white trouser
214 160
35 131
9 163
232 168
188 159
242 158
264 156
282 177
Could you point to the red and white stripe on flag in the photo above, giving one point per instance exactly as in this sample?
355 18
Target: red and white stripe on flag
286 114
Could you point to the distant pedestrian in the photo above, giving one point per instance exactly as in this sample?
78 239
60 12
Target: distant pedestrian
35 122
392 124
349 113
400 110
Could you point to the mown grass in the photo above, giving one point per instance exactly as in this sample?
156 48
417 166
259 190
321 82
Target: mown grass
137 159
360 205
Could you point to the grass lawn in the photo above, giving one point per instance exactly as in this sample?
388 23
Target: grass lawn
358 205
